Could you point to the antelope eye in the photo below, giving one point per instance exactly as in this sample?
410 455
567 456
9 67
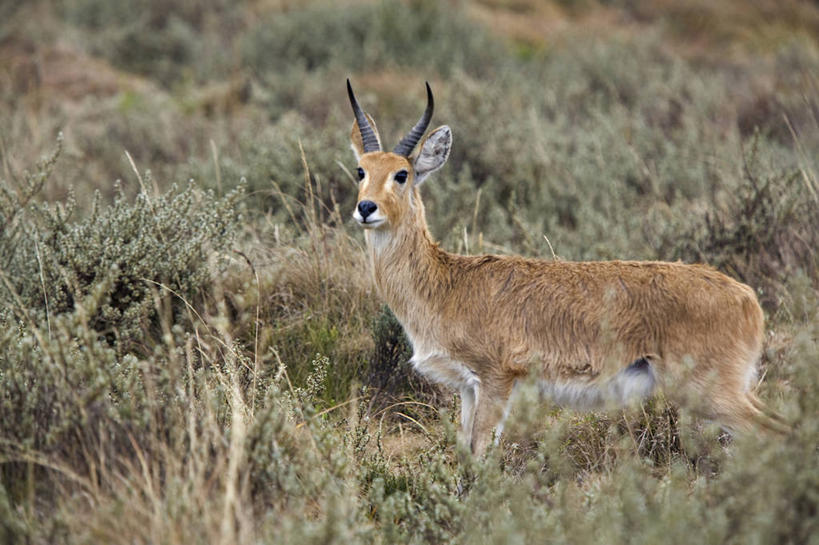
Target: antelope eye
401 176
360 173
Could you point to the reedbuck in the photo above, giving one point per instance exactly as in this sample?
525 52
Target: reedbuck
593 334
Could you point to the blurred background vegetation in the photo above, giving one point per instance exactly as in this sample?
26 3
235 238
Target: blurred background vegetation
191 349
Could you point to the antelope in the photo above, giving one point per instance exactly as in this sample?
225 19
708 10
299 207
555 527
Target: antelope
592 334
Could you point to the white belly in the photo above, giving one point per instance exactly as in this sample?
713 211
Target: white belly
631 384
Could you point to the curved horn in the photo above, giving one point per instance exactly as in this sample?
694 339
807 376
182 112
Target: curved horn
408 143
368 137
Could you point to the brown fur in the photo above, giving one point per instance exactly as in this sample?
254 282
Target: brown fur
479 323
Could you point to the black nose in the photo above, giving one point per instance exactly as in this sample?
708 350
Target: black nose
365 208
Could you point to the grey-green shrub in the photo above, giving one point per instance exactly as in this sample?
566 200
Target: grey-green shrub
168 42
390 34
766 232
80 296
158 243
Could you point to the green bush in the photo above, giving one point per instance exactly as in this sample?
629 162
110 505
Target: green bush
388 34
121 254
765 233
79 297
166 41
389 375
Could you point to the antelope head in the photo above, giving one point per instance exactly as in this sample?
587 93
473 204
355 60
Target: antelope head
387 180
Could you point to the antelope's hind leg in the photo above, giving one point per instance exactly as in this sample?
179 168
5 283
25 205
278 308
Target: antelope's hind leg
726 396
767 417
745 413
739 408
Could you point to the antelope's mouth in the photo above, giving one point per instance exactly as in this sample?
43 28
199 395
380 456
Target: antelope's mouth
370 222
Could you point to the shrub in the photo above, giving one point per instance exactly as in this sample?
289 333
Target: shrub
168 42
121 254
390 375
764 233
79 296
389 34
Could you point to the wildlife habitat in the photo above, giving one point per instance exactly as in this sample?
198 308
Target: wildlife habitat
192 349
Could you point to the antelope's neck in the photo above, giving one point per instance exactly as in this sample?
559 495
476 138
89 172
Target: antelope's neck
411 273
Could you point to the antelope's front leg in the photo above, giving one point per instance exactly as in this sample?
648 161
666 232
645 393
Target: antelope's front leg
444 370
469 395
491 402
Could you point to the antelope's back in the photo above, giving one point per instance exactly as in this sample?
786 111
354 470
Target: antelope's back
577 315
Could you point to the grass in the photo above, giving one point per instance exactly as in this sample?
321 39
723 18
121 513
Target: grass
208 361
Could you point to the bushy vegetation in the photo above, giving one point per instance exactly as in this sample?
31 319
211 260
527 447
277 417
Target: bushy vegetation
196 352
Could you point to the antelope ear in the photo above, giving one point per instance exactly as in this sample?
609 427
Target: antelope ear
434 153
355 137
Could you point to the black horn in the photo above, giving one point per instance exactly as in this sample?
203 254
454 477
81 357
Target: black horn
368 137
408 143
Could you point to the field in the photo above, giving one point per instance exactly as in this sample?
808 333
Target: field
191 346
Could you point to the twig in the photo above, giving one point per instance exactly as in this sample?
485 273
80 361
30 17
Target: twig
42 283
328 410
554 255
215 154
414 421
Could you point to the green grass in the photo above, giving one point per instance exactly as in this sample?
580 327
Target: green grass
209 362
